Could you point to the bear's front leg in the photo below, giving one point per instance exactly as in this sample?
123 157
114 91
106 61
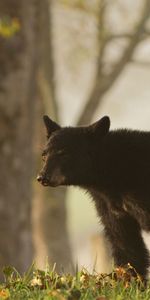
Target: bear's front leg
124 233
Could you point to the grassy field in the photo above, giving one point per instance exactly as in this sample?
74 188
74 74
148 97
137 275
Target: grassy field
46 285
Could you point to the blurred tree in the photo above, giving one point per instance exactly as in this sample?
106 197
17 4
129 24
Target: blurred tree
107 72
19 61
49 209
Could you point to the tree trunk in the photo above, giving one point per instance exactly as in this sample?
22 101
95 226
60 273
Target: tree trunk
49 208
17 103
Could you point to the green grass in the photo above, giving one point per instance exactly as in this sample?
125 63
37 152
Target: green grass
46 285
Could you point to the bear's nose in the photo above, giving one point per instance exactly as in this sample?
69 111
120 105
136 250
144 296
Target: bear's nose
39 178
42 179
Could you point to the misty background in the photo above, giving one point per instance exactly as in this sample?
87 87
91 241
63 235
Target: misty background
75 61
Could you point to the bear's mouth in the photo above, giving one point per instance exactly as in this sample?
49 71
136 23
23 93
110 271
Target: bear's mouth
48 182
53 184
52 181
45 183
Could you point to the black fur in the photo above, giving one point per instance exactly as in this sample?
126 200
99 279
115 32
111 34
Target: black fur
114 166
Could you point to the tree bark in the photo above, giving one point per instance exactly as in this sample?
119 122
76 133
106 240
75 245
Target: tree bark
17 104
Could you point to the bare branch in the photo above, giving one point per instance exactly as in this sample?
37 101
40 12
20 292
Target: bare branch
129 50
47 84
104 83
127 35
147 31
101 37
141 63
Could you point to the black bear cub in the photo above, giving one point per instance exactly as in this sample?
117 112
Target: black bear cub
114 167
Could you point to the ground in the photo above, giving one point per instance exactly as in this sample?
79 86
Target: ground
48 285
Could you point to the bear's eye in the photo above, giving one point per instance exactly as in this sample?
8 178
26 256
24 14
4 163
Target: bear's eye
44 156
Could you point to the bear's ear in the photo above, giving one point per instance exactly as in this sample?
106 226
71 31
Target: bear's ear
101 127
50 125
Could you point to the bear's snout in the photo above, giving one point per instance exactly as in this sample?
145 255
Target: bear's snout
43 179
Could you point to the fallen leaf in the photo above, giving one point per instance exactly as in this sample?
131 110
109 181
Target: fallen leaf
4 294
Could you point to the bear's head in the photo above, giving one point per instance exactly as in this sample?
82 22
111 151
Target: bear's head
69 154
